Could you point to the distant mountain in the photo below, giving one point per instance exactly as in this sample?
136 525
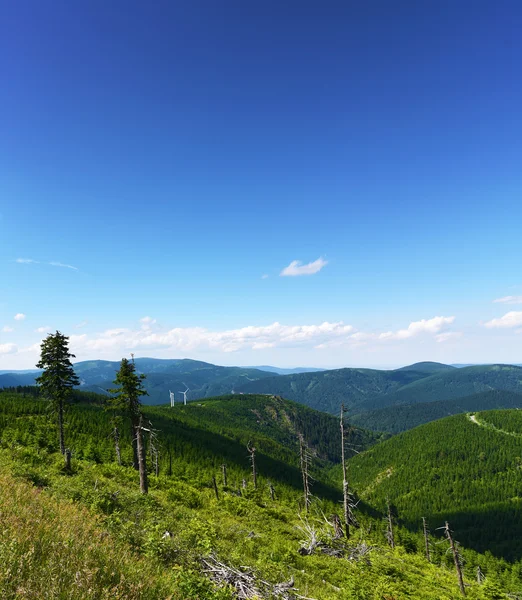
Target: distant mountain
326 390
203 379
362 390
397 418
280 371
453 384
427 367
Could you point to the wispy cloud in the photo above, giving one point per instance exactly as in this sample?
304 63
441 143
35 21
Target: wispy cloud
296 268
509 300
265 276
81 324
7 329
147 322
448 336
8 348
509 320
44 329
27 261
53 263
19 317
63 265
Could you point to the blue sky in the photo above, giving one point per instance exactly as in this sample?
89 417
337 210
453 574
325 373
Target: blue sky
181 157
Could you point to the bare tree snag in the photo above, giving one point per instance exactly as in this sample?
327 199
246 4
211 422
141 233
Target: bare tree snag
389 525
67 459
346 494
224 471
456 558
426 539
480 575
142 461
116 435
272 491
304 456
252 451
243 484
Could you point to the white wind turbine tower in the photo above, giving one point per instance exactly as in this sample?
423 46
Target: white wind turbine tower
171 399
185 396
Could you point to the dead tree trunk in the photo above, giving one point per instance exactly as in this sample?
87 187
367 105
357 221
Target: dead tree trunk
67 459
456 558
214 484
389 525
60 427
271 489
305 464
224 471
426 539
134 434
346 494
480 575
252 452
142 461
116 435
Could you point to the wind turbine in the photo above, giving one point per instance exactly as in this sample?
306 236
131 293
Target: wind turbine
185 396
171 399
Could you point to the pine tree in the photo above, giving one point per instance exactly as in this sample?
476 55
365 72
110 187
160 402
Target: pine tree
127 399
58 377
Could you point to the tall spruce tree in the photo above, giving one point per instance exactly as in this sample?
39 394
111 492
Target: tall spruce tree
58 377
127 400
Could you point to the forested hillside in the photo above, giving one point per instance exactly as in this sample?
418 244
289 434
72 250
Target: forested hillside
163 375
326 390
193 525
450 385
464 468
397 418
363 390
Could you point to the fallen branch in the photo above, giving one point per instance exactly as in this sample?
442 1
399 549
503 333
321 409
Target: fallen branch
246 584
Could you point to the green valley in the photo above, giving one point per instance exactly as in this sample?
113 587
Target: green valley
188 525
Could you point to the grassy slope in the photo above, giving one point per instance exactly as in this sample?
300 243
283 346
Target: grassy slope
251 530
51 548
452 469
394 419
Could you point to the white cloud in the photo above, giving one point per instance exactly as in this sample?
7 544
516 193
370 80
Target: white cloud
44 329
509 300
264 276
147 323
7 329
63 265
8 348
81 324
147 320
417 327
53 263
448 336
191 340
296 268
197 338
27 261
510 319
19 317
